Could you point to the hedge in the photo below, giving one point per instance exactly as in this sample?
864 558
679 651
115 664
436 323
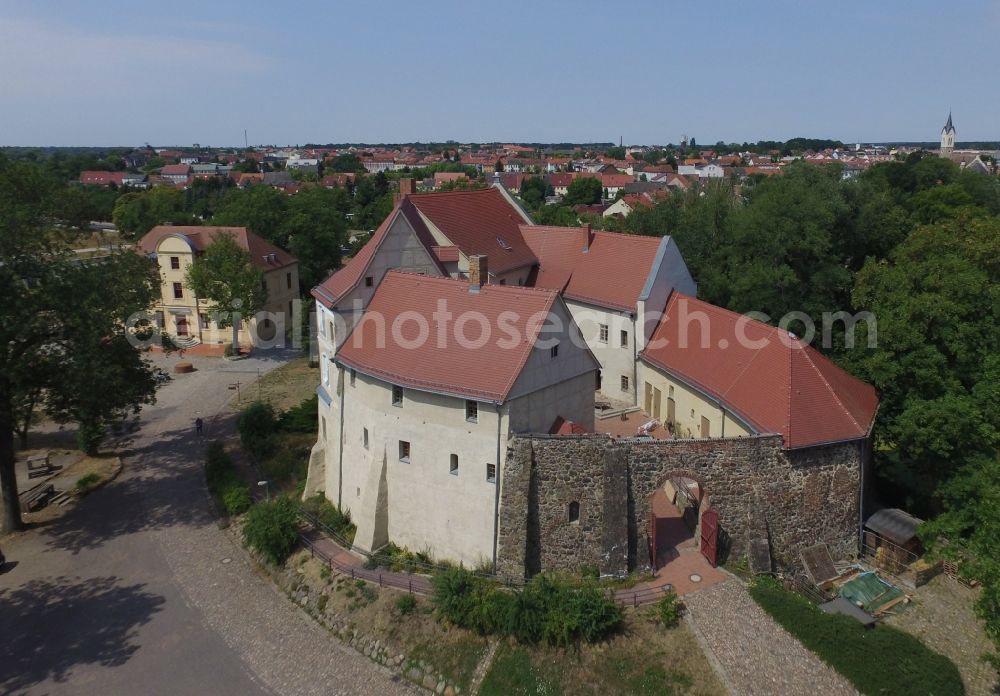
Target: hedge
878 661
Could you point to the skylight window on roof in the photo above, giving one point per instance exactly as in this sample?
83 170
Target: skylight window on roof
503 244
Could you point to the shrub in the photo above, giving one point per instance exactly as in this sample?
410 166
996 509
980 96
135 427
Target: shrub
406 604
87 483
236 499
880 660
668 610
257 425
273 529
329 515
302 418
549 608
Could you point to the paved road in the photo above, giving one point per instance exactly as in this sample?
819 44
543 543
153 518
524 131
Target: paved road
137 590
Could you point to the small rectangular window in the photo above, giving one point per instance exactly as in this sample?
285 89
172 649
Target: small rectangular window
491 473
472 411
175 263
397 395
453 465
354 376
365 437
624 383
288 280
322 421
603 338
331 330
369 281
624 339
204 320
404 451
554 351
178 291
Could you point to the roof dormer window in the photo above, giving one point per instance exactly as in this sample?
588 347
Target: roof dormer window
503 244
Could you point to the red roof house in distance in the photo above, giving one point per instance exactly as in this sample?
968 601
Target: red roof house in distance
727 375
95 178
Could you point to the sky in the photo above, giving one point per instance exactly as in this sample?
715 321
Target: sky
177 73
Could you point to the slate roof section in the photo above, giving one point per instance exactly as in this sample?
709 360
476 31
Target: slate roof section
768 378
484 372
199 237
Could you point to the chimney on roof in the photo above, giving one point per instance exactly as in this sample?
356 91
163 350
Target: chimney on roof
588 237
406 187
479 271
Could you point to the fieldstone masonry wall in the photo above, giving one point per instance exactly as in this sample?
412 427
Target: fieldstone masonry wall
794 498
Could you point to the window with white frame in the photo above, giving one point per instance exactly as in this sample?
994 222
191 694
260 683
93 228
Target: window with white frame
603 334
397 395
624 383
404 451
624 339
472 411
326 370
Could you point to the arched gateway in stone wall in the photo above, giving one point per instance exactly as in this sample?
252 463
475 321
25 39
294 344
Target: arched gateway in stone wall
794 498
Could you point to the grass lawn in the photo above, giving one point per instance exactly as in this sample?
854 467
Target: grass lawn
645 660
878 661
283 387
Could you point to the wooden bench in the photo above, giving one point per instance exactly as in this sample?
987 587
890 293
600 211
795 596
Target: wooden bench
37 497
39 465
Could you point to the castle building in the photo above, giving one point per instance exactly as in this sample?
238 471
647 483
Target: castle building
462 332
947 138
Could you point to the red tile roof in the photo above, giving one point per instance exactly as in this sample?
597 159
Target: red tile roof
597 276
200 237
481 221
782 386
99 178
446 254
561 426
175 169
440 363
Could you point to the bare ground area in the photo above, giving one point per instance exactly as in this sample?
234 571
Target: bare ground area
283 387
942 616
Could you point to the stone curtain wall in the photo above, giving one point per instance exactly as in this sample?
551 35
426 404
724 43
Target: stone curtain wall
795 498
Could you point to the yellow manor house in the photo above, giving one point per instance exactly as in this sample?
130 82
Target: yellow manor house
186 318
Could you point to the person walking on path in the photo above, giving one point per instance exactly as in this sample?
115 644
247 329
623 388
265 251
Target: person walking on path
199 425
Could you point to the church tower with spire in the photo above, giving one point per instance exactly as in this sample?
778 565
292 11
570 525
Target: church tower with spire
947 138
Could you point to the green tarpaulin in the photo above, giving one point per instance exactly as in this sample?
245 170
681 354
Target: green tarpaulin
869 592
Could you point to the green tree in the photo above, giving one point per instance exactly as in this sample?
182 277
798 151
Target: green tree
137 213
347 162
533 191
261 209
617 153
315 230
225 275
936 301
55 308
583 190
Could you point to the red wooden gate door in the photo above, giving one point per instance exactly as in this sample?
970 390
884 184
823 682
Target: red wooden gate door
710 535
652 540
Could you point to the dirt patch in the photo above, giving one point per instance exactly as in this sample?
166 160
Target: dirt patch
283 387
942 616
77 479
